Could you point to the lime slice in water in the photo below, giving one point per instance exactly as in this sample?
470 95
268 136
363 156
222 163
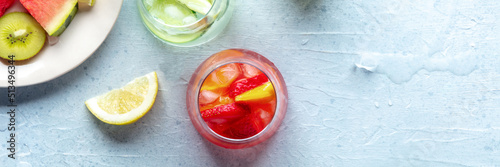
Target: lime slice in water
200 6
177 13
178 38
171 12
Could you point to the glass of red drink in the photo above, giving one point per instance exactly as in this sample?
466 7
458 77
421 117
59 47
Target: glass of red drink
236 98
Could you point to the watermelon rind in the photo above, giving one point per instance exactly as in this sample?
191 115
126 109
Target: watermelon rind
63 25
53 20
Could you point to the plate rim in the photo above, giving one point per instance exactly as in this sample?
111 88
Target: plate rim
4 80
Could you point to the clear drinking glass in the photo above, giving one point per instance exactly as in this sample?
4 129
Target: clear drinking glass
228 57
196 32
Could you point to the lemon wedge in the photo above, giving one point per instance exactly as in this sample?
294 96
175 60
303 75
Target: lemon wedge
260 94
127 104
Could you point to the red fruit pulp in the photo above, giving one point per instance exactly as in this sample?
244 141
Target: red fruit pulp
220 112
245 84
246 127
224 113
4 5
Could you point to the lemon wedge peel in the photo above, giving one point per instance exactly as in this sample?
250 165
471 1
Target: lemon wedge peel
113 117
260 94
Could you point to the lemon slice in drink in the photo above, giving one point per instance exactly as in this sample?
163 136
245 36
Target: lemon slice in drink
200 6
127 104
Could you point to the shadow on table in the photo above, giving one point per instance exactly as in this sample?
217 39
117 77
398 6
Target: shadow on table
131 132
306 5
26 94
118 133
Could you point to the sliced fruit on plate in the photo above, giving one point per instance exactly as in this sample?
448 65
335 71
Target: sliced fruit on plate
54 15
4 5
21 36
87 2
200 6
245 84
224 113
127 104
260 94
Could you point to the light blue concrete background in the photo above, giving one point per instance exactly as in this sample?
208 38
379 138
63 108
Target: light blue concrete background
371 83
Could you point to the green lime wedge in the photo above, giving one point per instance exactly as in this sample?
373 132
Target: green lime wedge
170 12
200 6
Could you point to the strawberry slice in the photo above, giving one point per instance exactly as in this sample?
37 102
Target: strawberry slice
224 113
240 86
4 5
253 123
245 127
219 128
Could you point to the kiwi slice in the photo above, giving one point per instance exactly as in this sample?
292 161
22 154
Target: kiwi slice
20 35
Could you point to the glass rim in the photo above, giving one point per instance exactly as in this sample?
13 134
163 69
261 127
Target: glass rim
144 11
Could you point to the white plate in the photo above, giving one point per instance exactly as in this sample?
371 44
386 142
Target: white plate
84 35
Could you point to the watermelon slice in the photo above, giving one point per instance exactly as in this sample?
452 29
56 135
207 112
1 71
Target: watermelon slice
4 5
53 15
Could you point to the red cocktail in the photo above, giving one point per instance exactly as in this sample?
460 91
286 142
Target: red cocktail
236 98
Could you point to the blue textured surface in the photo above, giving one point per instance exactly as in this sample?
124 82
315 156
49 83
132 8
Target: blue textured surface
371 83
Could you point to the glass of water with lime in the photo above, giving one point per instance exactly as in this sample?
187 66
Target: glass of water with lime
185 22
